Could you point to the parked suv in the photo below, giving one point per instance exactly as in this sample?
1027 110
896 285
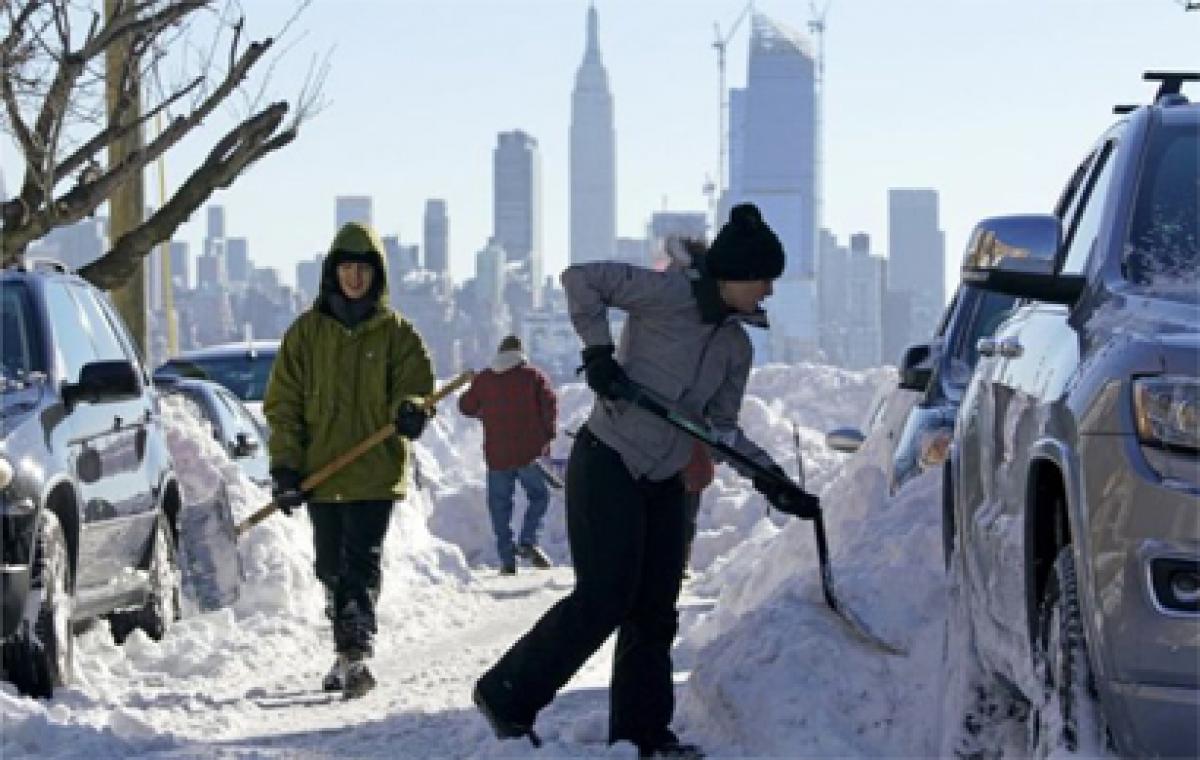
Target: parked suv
243 368
240 434
88 495
938 371
1075 471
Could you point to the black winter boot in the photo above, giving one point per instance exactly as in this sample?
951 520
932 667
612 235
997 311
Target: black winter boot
668 745
504 729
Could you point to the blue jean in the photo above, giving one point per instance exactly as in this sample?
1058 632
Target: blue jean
500 487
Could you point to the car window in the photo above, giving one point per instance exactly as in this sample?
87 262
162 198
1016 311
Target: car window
19 346
245 376
1084 229
119 329
72 346
1163 247
987 312
97 325
1068 202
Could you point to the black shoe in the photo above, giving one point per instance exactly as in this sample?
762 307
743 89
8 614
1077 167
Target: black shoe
335 679
535 556
509 568
358 680
504 729
675 749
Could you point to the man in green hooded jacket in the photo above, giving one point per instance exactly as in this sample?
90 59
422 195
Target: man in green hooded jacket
346 368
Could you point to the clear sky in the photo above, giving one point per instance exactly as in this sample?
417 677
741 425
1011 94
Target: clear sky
990 102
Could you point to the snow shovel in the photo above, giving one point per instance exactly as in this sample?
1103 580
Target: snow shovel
550 471
639 396
380 435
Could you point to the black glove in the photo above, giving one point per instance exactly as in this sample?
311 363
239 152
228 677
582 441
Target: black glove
411 418
786 496
604 375
285 489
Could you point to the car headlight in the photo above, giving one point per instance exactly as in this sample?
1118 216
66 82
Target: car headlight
6 473
1166 411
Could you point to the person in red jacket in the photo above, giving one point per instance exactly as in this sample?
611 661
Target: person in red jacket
518 409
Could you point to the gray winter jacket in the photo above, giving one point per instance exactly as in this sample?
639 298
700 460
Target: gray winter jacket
681 343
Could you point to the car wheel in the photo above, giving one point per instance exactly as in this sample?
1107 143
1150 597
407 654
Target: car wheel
1067 717
162 606
42 654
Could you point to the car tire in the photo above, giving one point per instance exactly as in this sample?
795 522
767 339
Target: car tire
948 528
1067 718
41 656
162 605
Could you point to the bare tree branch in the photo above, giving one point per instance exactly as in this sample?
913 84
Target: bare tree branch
48 70
245 144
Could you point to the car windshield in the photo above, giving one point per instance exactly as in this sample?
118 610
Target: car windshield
1163 250
19 347
244 375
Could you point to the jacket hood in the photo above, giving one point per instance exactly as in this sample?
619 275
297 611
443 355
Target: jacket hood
354 238
506 360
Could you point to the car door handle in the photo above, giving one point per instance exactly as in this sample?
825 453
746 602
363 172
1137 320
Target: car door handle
1010 347
986 347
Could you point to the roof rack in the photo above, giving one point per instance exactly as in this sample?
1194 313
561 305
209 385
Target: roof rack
1170 85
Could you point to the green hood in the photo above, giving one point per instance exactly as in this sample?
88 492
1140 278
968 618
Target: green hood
354 238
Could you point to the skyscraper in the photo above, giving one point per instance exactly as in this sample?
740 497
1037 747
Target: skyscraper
917 257
517 201
772 161
437 236
593 159
352 208
773 139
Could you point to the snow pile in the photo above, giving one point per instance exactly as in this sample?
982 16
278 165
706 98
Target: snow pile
778 674
772 671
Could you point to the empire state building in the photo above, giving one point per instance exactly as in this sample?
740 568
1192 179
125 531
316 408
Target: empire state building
593 167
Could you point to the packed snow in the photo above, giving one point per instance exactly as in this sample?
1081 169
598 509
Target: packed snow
763 667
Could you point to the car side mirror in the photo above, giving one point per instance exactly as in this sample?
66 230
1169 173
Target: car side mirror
103 381
244 446
846 440
915 369
1017 256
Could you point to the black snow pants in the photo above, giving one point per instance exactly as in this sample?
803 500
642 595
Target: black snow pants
626 538
348 539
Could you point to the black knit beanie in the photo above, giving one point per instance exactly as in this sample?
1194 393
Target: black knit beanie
745 248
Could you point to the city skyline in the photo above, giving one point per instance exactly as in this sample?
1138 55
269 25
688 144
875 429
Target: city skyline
952 96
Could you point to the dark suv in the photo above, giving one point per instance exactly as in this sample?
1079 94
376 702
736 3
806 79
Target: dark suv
1075 470
88 495
938 371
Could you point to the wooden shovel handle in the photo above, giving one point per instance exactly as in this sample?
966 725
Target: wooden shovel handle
380 435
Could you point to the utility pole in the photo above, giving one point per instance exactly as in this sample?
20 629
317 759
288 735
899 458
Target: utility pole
126 205
166 278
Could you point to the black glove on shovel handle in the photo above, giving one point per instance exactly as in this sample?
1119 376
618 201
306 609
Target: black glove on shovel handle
285 490
380 435
411 420
785 495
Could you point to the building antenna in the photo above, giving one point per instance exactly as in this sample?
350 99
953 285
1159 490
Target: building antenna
720 42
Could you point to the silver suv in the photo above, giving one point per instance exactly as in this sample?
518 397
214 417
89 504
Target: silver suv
1074 470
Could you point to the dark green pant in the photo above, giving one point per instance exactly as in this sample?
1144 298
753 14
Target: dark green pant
348 542
626 539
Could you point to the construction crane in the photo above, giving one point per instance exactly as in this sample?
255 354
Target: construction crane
720 43
816 25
